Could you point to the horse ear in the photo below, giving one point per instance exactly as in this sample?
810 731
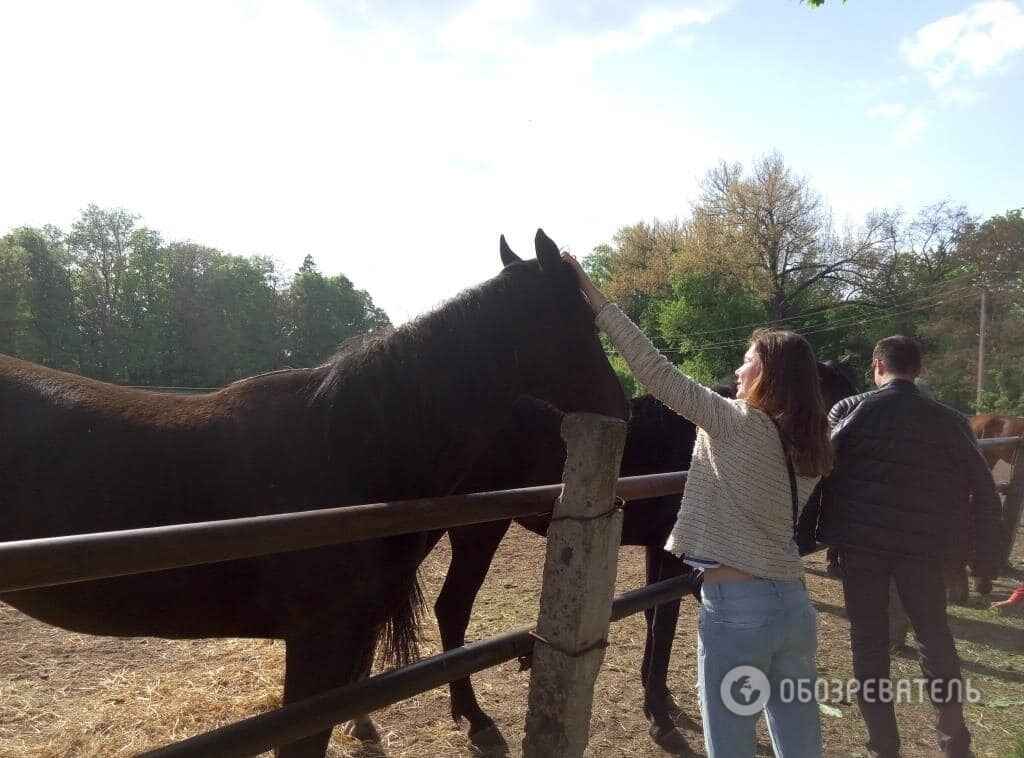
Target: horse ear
547 252
507 256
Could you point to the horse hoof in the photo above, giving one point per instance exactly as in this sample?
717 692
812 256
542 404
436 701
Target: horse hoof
670 740
489 742
673 713
363 729
672 708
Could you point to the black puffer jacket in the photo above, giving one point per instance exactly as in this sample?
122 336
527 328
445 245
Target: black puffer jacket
909 481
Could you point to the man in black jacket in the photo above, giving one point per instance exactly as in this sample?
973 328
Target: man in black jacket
909 490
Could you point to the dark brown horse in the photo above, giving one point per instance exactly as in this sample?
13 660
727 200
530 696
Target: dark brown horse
401 416
989 425
529 452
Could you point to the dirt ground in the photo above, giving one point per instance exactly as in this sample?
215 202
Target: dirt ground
64 694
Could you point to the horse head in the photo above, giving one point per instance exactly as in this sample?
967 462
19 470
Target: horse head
556 351
837 381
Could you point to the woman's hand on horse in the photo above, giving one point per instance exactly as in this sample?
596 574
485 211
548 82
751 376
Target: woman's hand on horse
594 296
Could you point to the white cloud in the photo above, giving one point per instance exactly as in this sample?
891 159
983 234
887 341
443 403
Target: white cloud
910 126
908 122
961 96
889 110
393 155
972 43
566 36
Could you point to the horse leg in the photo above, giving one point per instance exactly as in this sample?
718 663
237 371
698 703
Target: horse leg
659 706
473 548
957 590
832 563
316 663
363 729
362 726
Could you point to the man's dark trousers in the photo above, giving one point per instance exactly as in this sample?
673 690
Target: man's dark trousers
921 588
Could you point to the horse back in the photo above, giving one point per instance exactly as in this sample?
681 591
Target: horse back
988 425
79 455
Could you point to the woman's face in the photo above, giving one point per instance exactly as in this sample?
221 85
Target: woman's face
748 372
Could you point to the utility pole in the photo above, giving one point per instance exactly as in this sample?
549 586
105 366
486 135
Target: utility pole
981 350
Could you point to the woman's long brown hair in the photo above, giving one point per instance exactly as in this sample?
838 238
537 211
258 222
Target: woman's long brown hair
788 390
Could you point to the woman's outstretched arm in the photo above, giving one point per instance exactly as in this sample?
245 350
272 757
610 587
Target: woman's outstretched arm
715 414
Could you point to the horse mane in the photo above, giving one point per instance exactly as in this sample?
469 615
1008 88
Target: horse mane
837 381
385 357
422 385
844 370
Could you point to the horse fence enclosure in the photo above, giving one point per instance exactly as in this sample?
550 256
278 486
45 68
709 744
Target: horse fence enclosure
567 645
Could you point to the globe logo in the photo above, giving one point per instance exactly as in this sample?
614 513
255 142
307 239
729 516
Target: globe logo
745 690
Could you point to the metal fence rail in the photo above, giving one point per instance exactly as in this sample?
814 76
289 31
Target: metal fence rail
288 723
75 558
59 560
81 557
988 442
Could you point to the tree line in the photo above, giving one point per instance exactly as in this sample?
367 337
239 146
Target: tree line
111 299
760 247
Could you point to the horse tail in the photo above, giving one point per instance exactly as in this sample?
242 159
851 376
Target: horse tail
401 636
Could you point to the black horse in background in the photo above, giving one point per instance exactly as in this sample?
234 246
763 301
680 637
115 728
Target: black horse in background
401 416
529 452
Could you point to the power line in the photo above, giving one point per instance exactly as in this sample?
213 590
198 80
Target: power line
825 309
840 323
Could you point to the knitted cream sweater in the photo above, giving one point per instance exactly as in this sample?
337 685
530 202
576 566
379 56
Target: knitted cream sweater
737 508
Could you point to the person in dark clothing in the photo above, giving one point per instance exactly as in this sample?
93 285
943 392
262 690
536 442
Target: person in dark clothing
908 489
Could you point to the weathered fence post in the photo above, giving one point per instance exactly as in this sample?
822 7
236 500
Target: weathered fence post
579 582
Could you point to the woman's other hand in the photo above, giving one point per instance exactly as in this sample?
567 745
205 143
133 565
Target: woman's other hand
594 296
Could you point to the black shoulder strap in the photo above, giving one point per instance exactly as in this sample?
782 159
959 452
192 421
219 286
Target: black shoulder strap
792 474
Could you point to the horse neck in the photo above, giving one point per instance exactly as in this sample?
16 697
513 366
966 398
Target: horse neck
439 395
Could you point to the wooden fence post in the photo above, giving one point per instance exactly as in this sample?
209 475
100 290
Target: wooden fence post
579 583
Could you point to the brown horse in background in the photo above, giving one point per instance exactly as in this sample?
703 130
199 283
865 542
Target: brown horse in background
396 417
988 425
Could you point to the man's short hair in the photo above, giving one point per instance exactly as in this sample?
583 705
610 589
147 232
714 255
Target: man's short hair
901 355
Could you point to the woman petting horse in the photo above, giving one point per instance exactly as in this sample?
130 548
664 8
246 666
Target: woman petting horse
398 417
529 453
754 460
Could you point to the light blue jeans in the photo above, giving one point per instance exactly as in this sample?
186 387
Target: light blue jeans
771 627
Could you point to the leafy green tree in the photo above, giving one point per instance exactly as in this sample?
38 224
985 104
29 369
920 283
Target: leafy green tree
50 329
635 273
145 308
99 243
13 279
989 255
708 321
240 310
599 263
322 312
190 348
771 230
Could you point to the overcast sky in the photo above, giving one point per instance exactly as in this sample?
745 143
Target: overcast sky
395 144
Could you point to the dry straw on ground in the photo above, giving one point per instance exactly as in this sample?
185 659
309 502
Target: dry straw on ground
64 694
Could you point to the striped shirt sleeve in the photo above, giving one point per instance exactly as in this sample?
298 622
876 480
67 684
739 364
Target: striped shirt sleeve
716 415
